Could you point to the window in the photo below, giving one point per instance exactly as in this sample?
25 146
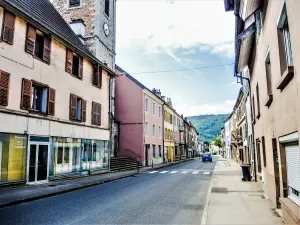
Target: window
74 3
153 130
253 109
38 44
74 64
284 40
4 88
153 109
154 150
107 7
77 108
258 155
268 78
97 76
159 131
257 101
159 111
264 151
258 21
159 151
96 114
146 104
146 129
174 119
37 97
8 28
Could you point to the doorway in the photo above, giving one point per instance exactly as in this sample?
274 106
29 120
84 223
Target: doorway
146 155
276 171
38 162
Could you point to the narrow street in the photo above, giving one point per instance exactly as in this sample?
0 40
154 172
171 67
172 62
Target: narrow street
171 195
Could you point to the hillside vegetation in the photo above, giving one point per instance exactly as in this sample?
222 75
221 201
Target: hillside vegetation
208 126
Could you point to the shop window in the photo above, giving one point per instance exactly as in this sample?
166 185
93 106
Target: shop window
37 97
12 157
38 44
77 108
8 29
107 7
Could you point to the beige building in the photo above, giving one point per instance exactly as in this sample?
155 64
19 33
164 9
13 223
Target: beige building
54 98
169 141
267 44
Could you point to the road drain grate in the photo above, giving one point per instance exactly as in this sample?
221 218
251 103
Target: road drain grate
220 190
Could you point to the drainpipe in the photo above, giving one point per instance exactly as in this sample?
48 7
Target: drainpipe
253 146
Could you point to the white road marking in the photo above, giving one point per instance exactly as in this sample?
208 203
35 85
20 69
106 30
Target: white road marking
174 172
184 172
164 171
206 173
153 172
195 172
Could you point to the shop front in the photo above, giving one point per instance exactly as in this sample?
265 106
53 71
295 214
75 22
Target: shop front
70 156
12 158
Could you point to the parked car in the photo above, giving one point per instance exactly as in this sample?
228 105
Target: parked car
207 157
201 154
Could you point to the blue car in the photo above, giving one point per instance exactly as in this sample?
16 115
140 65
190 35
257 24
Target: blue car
207 157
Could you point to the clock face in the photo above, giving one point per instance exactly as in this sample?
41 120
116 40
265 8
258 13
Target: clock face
106 29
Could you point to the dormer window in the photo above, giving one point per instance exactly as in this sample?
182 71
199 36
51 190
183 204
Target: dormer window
74 3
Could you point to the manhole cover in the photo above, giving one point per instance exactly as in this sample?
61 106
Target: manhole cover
221 190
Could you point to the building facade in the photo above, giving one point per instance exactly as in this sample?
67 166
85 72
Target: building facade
169 141
178 136
267 40
49 128
140 116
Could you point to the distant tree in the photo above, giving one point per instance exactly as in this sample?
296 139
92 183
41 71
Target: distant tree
218 142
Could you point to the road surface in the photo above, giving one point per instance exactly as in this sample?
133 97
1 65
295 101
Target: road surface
170 195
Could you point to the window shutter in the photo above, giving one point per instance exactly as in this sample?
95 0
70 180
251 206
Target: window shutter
47 49
96 75
73 107
99 115
80 74
30 41
83 111
94 115
8 27
293 166
26 94
100 77
69 61
4 88
51 102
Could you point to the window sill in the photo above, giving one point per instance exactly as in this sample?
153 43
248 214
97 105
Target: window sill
75 7
37 112
269 101
96 86
37 58
75 76
286 78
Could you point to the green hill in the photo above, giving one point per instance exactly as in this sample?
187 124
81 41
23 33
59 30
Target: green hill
208 126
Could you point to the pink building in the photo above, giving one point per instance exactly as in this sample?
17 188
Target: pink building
139 112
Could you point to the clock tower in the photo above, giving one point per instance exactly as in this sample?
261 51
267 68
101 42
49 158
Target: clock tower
94 21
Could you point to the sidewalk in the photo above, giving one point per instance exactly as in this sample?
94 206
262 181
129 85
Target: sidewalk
20 194
232 201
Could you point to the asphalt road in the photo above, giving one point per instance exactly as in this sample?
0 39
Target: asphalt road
171 195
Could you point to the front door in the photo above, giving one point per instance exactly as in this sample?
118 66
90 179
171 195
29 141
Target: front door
38 162
146 155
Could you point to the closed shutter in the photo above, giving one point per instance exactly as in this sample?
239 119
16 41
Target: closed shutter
30 40
96 80
80 73
47 49
4 88
96 114
69 61
8 27
99 115
293 166
73 107
100 77
26 94
83 111
51 102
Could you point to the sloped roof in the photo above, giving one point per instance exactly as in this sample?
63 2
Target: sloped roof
43 15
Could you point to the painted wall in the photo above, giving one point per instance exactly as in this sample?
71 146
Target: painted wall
14 60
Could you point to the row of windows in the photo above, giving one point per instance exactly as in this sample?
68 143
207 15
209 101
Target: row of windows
153 130
38 44
79 3
153 108
286 61
40 98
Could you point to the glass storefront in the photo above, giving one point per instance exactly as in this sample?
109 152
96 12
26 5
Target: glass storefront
12 157
71 155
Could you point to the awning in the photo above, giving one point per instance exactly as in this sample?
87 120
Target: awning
245 41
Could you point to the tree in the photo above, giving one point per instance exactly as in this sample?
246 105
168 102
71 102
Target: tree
218 142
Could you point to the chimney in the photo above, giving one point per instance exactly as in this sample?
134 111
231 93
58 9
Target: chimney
181 115
163 98
185 118
169 102
78 27
156 92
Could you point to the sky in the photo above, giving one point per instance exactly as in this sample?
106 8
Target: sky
164 35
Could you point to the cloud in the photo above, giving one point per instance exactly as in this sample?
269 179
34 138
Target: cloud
232 83
189 52
202 109
199 22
